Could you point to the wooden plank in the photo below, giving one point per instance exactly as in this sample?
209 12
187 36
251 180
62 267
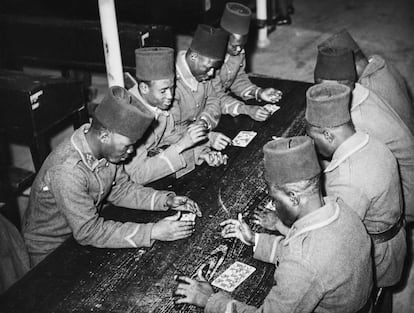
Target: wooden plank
80 279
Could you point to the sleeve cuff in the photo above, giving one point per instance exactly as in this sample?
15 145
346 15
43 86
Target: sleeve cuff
217 303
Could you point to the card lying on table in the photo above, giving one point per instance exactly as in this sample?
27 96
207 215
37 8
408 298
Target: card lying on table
233 276
243 138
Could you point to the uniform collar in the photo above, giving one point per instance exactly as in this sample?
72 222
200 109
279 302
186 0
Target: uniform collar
350 146
156 111
375 63
322 217
79 142
359 95
184 73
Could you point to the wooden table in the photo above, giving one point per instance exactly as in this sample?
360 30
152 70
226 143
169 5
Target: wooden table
87 279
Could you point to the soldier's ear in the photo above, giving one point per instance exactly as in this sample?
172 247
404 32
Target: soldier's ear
294 198
329 136
143 88
193 56
104 136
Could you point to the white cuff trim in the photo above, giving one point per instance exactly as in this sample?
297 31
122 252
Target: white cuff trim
129 237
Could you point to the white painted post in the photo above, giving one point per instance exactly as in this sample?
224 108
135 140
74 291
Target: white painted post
112 50
261 16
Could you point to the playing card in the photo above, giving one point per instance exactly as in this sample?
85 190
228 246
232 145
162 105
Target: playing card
188 217
243 138
233 276
271 108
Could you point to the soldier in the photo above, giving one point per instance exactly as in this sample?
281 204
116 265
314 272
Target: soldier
363 173
84 171
232 76
163 150
370 114
195 99
379 76
323 264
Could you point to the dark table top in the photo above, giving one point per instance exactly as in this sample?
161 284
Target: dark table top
78 278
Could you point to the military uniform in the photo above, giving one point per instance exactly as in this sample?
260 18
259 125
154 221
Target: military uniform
156 154
193 100
68 194
232 77
384 80
364 173
322 265
372 115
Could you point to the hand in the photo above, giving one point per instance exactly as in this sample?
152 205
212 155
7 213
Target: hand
214 158
256 112
218 141
238 229
269 219
193 291
183 203
271 95
201 122
195 133
170 228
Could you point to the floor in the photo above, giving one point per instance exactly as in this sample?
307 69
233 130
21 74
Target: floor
379 26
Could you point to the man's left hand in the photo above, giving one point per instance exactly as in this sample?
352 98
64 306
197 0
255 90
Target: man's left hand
183 203
271 95
193 291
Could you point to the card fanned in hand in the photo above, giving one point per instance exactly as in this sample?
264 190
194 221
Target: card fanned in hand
232 277
243 138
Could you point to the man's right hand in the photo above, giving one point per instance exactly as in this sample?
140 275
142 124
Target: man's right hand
256 112
171 228
195 133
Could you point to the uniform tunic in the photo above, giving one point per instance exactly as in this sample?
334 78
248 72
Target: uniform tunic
68 194
232 77
364 173
322 265
384 80
193 100
144 167
371 115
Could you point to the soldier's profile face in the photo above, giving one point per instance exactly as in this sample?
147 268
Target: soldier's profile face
203 68
282 201
321 144
161 93
236 44
118 148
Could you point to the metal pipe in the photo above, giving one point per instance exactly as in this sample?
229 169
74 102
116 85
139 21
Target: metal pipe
261 16
112 50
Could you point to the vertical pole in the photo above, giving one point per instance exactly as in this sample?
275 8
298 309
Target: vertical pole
110 40
261 16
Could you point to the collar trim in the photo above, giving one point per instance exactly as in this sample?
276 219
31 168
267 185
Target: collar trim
324 216
350 146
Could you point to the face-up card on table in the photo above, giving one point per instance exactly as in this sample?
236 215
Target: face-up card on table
233 276
243 138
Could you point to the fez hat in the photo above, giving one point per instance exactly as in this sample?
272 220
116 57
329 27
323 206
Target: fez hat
289 160
341 39
327 105
154 63
122 113
236 18
335 64
210 42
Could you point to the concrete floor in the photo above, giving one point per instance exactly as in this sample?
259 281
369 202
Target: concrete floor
379 26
